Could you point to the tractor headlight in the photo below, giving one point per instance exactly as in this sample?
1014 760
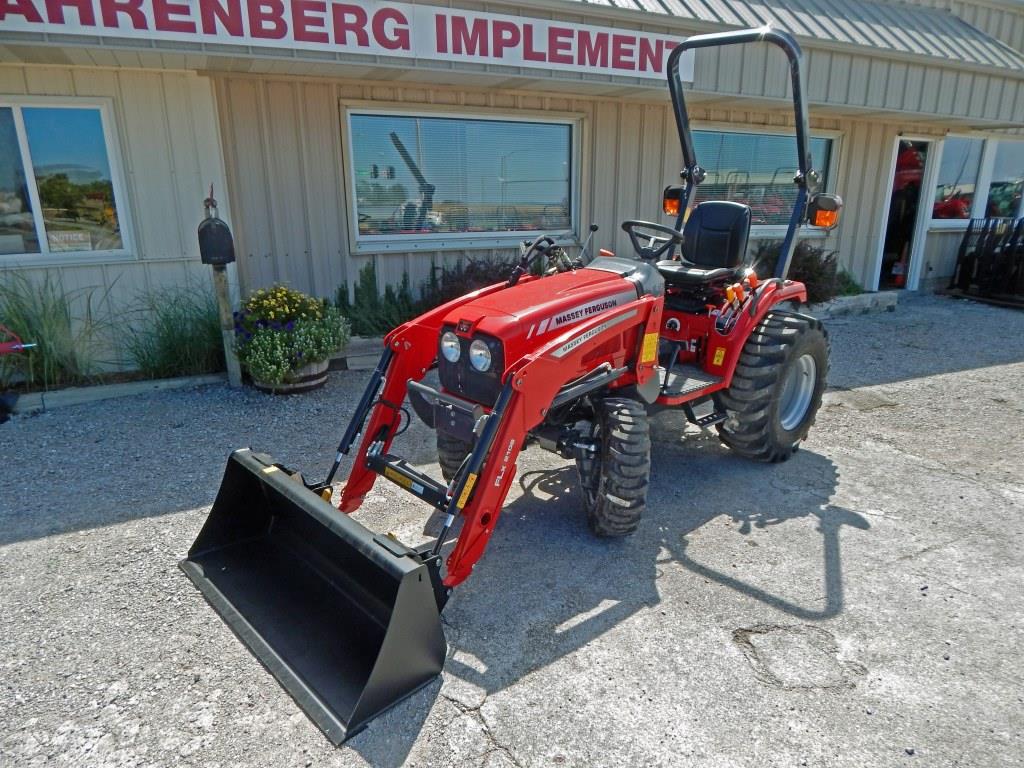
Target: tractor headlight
451 348
480 355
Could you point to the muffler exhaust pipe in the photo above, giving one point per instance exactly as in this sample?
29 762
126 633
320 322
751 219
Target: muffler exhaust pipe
345 619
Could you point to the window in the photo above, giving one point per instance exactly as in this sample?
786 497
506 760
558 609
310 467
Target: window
957 179
448 176
756 169
57 191
978 178
1007 186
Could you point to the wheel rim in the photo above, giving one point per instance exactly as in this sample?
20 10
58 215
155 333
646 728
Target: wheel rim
797 392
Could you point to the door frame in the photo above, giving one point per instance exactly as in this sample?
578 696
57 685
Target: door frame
916 254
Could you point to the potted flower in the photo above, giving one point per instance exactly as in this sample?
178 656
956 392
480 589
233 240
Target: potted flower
285 339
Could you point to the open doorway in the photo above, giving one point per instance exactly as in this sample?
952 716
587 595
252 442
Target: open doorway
904 206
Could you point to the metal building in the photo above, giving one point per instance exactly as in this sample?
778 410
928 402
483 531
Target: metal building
410 134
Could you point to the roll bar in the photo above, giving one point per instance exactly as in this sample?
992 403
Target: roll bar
806 178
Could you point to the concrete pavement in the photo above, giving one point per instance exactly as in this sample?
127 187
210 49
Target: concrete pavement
859 605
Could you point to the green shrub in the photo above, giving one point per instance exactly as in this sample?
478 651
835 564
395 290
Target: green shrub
812 265
469 274
847 285
372 314
43 312
280 330
177 333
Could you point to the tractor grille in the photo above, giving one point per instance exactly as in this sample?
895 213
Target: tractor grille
463 379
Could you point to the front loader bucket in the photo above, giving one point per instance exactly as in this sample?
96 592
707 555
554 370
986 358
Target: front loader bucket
344 619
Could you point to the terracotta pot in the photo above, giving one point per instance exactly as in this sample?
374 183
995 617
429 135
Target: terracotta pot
304 379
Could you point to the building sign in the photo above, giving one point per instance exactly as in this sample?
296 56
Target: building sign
372 28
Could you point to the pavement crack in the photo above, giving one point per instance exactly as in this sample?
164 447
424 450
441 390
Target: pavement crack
462 707
492 740
796 657
932 548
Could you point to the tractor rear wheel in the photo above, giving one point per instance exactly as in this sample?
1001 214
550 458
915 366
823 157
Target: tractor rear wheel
451 452
777 387
614 482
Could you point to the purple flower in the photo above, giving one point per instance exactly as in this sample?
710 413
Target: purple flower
290 326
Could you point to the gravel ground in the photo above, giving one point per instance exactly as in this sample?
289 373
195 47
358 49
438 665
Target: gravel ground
857 605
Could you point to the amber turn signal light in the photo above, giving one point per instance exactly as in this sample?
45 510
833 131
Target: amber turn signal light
823 210
670 200
827 219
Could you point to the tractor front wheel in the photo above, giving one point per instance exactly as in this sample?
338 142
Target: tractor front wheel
777 387
451 452
614 481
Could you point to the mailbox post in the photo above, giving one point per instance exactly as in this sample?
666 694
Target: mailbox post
217 248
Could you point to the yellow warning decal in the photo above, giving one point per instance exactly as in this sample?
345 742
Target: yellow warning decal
397 477
470 482
719 356
650 349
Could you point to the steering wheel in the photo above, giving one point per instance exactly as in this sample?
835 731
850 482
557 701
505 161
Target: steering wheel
651 251
537 249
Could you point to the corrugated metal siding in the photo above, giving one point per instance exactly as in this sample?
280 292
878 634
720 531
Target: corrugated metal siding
170 153
868 57
881 26
630 154
940 250
1003 21
841 80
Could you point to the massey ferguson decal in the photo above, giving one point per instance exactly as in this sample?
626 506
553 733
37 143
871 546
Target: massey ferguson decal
570 345
581 312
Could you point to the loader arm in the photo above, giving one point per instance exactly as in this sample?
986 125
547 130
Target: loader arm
410 350
531 386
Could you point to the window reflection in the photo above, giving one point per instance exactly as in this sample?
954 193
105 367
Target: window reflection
418 175
1005 191
17 225
756 169
958 175
69 159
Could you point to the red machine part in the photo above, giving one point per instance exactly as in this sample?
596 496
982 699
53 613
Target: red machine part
622 333
535 377
10 342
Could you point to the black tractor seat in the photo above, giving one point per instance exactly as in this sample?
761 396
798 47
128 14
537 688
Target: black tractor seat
678 273
714 245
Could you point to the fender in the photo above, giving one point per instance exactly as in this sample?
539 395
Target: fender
770 294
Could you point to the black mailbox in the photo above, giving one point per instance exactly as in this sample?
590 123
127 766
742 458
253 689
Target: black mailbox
216 246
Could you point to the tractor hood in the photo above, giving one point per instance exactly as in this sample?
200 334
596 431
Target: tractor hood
536 310
520 320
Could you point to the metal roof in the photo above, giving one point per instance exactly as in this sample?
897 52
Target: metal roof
886 27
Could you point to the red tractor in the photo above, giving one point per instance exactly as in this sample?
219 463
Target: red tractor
571 357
